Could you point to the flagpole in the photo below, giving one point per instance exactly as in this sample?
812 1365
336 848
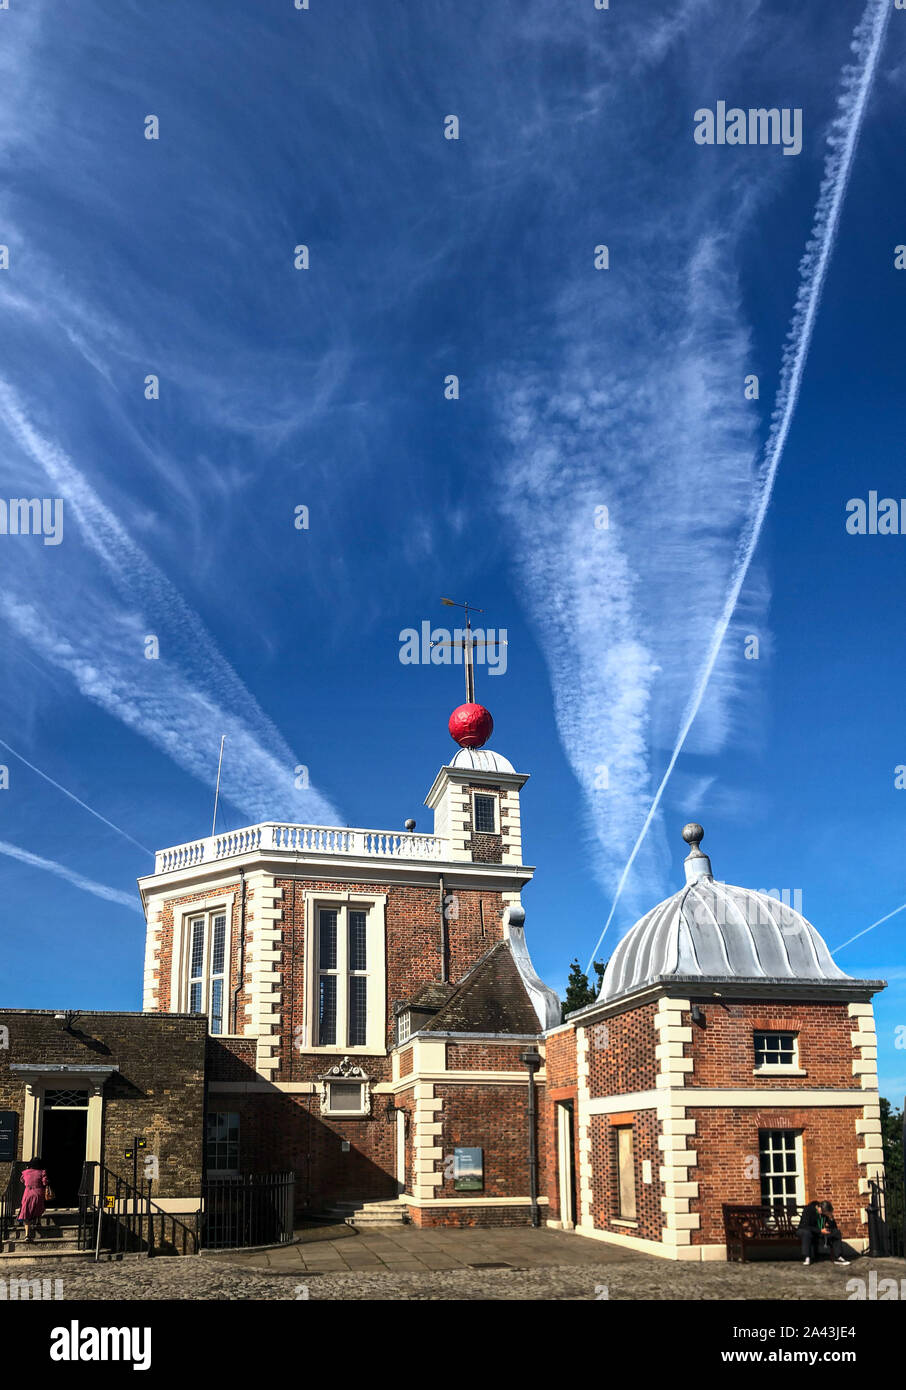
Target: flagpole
217 792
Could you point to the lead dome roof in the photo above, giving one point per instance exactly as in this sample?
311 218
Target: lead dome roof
712 931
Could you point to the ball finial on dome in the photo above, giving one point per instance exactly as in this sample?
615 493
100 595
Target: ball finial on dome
471 725
693 833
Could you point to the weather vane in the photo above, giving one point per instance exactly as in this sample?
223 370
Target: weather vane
470 725
468 645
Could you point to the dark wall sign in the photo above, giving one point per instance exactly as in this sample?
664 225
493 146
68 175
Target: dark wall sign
468 1169
9 1134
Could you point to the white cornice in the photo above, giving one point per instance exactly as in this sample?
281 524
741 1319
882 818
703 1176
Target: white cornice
336 868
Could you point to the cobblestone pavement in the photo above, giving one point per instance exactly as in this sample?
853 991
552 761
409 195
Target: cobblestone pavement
415 1265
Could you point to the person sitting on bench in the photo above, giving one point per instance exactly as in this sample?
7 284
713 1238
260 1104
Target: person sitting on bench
818 1230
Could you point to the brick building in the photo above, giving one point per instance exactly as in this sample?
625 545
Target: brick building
726 1059
80 1086
359 1007
369 996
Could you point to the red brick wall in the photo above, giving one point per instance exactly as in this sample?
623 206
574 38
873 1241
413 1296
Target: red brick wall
412 960
621 1052
724 1049
485 1057
287 1132
279 1132
405 1100
462 1216
560 1051
163 958
231 1059
726 1142
605 1176
493 1118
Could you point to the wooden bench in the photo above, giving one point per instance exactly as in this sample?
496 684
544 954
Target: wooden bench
748 1226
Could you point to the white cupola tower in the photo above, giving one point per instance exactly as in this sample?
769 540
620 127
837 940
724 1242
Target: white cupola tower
475 800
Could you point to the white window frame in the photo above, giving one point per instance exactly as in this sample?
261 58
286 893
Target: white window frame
183 914
480 791
404 1026
206 914
778 1068
799 1171
373 905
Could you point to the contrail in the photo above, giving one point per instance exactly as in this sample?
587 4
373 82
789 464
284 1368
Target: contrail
843 139
88 885
868 929
194 691
72 797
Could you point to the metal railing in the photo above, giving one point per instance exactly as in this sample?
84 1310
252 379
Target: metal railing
886 1224
256 1209
119 1218
11 1201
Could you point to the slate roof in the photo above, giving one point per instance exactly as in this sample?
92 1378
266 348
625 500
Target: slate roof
490 998
431 996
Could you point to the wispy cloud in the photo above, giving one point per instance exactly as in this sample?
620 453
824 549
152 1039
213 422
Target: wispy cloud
843 138
181 702
629 397
88 885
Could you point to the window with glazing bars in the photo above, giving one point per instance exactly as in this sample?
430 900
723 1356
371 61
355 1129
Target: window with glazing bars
775 1049
222 1142
327 982
485 815
207 966
342 974
779 1167
358 983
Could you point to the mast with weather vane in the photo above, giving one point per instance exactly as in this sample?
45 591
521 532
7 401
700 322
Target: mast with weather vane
471 725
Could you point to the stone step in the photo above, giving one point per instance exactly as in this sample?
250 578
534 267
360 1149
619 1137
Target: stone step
380 1213
39 1250
47 1235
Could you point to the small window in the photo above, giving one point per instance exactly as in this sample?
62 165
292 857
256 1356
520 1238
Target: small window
222 1146
486 814
626 1170
779 1161
346 1098
404 1027
776 1050
65 1100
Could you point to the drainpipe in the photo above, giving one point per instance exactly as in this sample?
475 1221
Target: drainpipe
241 981
443 929
532 1061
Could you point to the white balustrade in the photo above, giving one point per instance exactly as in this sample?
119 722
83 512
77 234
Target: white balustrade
301 839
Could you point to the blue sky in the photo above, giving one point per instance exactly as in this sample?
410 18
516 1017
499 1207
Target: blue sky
325 388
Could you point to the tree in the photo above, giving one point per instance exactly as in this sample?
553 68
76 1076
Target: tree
578 991
892 1140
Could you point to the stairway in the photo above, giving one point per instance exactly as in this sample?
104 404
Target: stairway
389 1212
58 1235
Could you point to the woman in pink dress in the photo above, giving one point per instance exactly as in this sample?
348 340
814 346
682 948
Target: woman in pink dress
33 1200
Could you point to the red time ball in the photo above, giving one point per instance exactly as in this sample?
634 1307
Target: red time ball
471 725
